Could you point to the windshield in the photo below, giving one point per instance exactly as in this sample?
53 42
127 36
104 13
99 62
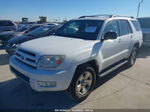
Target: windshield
40 31
144 22
23 28
83 29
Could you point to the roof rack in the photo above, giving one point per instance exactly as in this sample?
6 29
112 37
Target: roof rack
105 15
122 16
101 15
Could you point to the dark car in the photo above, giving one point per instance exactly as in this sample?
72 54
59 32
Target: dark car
5 36
145 25
7 25
37 33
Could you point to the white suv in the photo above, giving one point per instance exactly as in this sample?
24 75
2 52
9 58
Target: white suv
82 50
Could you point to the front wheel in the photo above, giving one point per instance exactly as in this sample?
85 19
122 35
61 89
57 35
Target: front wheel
133 56
83 83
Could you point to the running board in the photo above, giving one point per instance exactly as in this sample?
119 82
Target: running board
112 69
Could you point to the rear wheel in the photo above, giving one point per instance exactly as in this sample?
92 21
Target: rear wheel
133 56
83 83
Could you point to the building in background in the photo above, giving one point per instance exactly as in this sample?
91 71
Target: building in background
43 19
25 20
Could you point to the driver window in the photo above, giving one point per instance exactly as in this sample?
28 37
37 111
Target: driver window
111 26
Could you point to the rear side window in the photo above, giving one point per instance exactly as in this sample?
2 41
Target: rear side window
136 25
125 28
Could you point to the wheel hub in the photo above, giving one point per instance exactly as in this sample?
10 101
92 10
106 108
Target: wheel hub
84 83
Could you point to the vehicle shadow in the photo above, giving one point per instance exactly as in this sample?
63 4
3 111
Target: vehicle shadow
16 94
4 59
102 80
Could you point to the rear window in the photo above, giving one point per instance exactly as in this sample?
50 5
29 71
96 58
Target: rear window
136 25
6 23
125 28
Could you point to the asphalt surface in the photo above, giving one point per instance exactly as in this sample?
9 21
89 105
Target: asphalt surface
122 89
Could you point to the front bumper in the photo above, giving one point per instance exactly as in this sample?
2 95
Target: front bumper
62 78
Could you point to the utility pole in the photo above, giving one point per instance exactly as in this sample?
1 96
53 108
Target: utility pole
139 5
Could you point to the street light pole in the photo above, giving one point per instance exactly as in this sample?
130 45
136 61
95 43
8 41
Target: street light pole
139 8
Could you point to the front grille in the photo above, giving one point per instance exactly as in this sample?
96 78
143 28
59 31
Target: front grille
20 75
26 57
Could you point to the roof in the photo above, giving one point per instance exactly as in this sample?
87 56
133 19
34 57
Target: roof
103 17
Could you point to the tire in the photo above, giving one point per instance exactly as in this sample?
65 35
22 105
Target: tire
83 83
132 57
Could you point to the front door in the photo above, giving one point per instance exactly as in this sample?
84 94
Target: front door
110 49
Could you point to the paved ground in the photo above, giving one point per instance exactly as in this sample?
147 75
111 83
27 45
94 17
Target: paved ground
122 89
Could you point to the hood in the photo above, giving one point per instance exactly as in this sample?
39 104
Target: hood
19 39
56 45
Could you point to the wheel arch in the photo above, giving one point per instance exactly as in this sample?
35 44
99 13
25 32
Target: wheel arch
92 63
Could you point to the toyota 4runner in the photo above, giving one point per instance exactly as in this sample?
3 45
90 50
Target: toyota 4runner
81 50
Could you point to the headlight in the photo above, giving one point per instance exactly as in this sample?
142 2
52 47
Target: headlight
51 61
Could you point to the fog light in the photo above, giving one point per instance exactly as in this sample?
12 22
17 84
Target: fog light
47 84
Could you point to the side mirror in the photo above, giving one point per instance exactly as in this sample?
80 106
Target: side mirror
110 35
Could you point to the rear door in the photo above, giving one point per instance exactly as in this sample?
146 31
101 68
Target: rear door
125 39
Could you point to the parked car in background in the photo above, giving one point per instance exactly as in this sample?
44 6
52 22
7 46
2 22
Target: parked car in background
18 32
51 23
82 50
145 25
37 33
5 36
26 23
7 25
